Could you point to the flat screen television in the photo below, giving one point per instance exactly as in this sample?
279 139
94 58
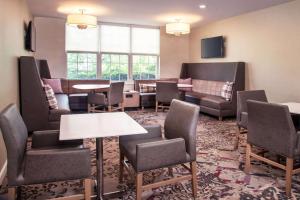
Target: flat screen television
30 37
212 47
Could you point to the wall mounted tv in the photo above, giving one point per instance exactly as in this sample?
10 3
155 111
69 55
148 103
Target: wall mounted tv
30 44
212 47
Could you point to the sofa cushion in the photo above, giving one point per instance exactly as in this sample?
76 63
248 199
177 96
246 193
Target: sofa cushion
63 107
62 101
215 102
208 87
55 115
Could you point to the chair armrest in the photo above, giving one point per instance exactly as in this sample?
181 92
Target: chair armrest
50 138
57 165
153 155
154 131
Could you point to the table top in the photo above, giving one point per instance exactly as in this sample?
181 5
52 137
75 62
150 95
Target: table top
98 125
91 86
293 107
180 85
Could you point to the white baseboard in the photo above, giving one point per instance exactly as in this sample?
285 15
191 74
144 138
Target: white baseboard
3 172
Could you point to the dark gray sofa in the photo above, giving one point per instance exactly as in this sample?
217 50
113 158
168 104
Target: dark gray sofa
34 106
218 72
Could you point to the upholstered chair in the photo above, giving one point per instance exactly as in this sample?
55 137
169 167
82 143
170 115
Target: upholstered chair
43 162
271 128
165 93
242 113
98 102
152 151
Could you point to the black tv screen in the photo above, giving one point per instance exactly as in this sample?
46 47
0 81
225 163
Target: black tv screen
212 47
30 37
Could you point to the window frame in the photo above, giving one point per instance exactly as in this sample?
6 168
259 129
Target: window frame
129 54
83 52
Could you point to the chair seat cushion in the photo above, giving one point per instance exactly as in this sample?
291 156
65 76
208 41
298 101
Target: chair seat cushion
129 148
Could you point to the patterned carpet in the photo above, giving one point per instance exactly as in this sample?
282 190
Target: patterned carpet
220 169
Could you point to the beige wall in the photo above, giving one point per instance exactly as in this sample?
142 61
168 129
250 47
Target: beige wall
13 15
268 41
50 44
173 52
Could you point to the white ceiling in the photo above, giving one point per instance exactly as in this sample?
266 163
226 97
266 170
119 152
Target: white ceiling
150 12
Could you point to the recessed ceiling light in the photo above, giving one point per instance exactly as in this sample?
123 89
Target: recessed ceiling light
202 6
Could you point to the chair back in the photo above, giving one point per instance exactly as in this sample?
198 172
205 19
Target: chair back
270 127
181 122
243 96
166 91
15 137
115 95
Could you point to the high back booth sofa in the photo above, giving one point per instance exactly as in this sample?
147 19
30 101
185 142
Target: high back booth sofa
33 102
208 80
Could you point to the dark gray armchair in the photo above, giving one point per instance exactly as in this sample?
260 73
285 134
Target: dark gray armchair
152 150
165 93
114 101
44 162
270 127
242 112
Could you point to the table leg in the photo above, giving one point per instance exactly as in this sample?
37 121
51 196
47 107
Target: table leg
100 181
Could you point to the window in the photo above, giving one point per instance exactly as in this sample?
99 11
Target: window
82 65
144 67
145 40
115 67
125 52
86 40
115 39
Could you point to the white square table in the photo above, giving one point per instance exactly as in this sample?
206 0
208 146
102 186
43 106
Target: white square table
98 125
293 107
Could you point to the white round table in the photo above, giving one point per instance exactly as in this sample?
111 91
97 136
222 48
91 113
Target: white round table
91 86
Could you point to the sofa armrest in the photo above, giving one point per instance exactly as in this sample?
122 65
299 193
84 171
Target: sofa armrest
50 138
57 165
154 131
153 155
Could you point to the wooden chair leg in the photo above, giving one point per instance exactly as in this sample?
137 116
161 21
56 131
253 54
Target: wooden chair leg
121 167
288 175
248 158
12 193
156 106
87 189
109 108
194 178
139 184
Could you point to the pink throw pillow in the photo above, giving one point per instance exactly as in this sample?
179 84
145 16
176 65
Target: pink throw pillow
185 81
55 85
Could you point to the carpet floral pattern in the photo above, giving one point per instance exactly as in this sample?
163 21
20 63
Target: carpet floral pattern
220 162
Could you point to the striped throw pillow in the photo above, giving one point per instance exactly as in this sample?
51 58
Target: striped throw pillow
226 92
50 97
